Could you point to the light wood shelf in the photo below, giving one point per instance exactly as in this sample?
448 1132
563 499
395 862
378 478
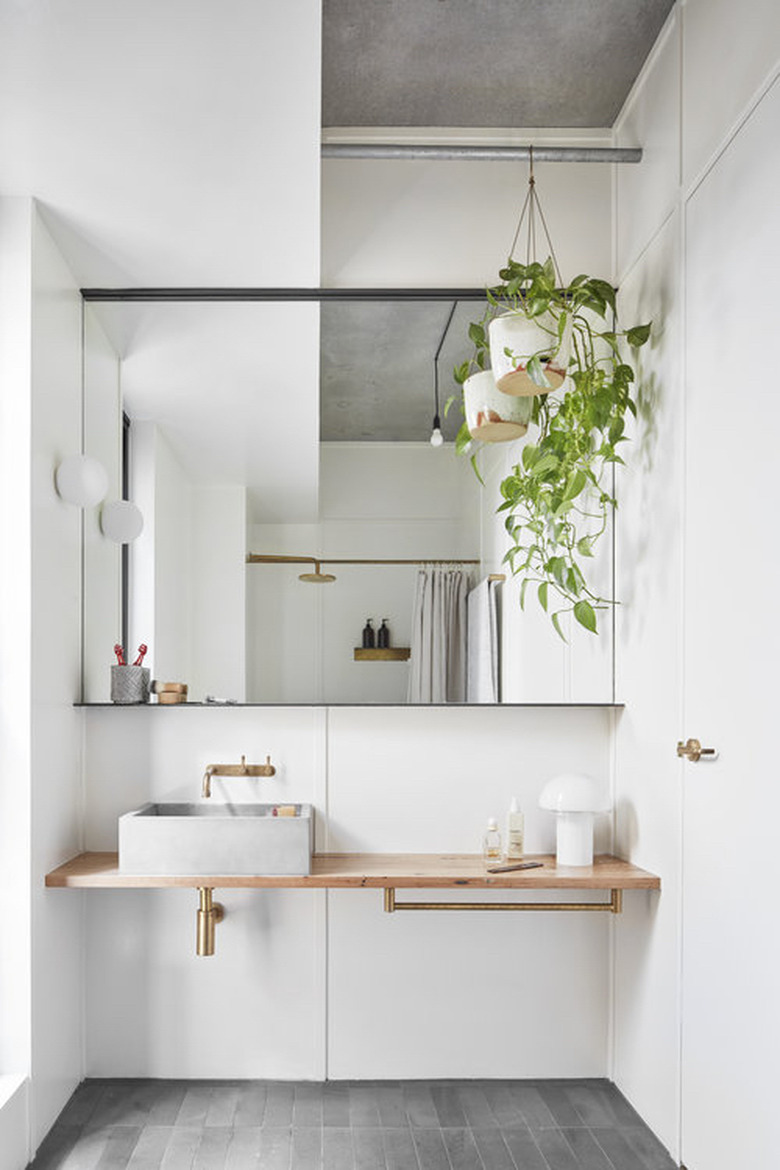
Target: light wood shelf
371 871
383 654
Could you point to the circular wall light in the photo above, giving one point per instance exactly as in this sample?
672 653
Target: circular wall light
81 480
121 521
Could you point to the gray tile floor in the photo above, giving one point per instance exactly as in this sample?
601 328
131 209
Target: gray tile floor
365 1125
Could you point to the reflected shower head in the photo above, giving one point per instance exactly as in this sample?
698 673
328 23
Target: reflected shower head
317 577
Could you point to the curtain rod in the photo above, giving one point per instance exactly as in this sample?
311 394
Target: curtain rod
452 153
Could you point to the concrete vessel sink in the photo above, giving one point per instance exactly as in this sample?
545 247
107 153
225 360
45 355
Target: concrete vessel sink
216 839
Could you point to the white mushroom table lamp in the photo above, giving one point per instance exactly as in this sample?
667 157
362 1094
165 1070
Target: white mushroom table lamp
575 799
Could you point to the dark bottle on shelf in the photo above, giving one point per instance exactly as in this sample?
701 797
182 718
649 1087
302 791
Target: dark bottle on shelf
383 635
369 635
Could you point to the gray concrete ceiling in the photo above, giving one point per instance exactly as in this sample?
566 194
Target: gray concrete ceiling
497 63
377 373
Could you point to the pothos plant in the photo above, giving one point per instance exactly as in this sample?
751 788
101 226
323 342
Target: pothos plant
558 498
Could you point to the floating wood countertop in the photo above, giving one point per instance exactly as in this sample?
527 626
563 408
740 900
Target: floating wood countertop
371 871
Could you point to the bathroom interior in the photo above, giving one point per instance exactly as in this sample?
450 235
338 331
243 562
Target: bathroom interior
200 291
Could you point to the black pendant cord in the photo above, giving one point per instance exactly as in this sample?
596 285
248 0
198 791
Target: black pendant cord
436 417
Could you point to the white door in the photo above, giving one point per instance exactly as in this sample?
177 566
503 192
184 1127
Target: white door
731 879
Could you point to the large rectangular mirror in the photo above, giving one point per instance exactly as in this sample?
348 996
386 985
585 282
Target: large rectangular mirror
264 430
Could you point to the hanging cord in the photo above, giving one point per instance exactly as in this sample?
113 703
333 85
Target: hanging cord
437 421
531 206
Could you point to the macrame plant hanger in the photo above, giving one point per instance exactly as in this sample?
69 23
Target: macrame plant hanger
530 211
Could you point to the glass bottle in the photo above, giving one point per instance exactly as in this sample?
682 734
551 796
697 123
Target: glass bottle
369 635
491 843
383 635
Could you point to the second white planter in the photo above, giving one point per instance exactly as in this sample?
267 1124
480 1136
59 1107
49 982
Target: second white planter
491 416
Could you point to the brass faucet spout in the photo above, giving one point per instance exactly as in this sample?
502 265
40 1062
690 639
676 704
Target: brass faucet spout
206 789
242 769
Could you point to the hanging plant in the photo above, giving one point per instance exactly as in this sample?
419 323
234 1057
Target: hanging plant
559 497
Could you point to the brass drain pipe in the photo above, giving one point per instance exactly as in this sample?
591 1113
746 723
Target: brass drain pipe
209 914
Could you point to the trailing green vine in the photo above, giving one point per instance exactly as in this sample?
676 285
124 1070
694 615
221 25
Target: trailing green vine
558 498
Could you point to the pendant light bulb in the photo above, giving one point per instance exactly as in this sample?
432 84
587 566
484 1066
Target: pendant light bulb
437 438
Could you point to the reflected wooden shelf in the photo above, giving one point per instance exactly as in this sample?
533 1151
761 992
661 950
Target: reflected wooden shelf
383 654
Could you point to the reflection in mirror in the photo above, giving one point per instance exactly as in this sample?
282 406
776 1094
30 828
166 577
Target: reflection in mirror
299 430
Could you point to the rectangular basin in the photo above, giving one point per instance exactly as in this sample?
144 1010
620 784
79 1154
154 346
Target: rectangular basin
215 838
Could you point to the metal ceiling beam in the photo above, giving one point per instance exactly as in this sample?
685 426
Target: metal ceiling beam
453 153
283 294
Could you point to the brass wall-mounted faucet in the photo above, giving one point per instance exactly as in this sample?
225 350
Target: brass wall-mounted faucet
242 769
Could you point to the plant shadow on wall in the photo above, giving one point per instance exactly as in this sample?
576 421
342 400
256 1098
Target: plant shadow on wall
546 358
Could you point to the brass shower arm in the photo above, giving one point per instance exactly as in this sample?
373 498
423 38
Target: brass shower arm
274 559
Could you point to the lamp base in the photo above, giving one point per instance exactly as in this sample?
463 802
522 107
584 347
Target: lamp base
575 838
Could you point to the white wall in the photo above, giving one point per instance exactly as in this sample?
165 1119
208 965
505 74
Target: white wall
56 728
41 775
450 224
218 628
649 575
15 671
377 500
681 117
102 557
307 984
40 781
187 573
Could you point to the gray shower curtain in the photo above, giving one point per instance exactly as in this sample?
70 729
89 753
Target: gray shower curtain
439 625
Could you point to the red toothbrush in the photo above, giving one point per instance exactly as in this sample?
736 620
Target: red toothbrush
120 655
141 651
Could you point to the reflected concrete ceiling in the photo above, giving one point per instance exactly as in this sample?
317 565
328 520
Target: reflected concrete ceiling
377 368
498 63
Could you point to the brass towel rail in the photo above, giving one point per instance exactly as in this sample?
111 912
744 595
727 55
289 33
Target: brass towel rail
613 906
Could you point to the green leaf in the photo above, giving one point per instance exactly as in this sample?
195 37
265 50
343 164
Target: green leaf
529 456
536 373
542 593
604 291
461 373
535 306
548 462
557 624
523 588
476 469
638 335
462 439
477 334
574 485
616 428
586 615
584 546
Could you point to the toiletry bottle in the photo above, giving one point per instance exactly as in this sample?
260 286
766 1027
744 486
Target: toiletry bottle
368 635
514 832
383 635
491 843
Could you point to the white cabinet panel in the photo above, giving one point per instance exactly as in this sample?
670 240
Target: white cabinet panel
731 1018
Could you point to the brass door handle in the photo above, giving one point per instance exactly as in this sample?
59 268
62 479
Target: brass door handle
693 750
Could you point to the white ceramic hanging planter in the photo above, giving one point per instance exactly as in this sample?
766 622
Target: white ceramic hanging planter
491 416
515 339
